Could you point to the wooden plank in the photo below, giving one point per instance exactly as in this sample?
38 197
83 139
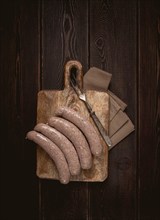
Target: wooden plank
113 48
64 36
19 68
149 109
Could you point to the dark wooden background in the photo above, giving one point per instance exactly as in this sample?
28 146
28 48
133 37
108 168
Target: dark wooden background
120 36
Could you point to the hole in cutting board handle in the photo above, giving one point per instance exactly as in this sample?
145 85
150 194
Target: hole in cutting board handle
73 70
73 75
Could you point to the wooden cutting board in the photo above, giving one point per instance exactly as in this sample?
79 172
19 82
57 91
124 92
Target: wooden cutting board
50 100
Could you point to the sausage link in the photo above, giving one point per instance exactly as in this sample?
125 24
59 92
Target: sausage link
85 126
54 152
76 137
64 144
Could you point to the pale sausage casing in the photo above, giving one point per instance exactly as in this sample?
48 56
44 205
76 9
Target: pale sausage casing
76 137
63 143
85 126
54 152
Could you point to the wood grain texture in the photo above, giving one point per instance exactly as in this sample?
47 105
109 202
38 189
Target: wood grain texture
121 37
64 37
149 109
19 85
113 48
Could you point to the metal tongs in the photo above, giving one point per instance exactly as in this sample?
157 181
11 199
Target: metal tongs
82 96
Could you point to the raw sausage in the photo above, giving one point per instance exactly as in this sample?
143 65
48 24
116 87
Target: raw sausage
54 152
85 126
64 144
76 137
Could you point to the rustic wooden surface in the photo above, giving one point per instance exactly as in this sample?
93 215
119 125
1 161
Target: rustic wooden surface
149 109
113 48
37 38
19 58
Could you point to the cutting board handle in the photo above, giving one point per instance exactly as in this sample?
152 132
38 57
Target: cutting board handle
79 73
